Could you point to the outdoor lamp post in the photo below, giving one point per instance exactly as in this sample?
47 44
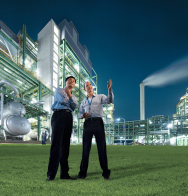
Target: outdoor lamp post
124 127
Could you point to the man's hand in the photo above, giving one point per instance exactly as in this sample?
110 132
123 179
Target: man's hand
85 115
109 85
68 92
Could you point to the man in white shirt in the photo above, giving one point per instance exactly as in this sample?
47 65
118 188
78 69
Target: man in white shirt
91 109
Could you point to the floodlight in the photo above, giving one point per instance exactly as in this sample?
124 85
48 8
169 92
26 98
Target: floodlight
169 125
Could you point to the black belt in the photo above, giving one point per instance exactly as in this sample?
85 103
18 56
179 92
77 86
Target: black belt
62 110
94 118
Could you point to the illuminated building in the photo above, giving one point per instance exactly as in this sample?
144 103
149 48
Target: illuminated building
36 69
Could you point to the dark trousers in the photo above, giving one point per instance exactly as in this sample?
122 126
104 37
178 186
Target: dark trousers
43 140
94 127
61 132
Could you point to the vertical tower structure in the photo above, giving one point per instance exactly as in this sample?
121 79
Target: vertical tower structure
142 101
60 55
48 59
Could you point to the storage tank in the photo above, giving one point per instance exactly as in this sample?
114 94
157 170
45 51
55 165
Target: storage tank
14 122
33 134
16 125
13 108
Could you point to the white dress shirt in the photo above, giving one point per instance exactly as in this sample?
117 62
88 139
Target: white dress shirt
96 107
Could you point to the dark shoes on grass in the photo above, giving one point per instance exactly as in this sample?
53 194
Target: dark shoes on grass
49 178
80 177
68 178
107 178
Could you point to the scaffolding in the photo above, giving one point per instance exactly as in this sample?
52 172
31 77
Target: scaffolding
70 64
18 65
157 130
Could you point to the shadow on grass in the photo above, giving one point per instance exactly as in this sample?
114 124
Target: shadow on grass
121 172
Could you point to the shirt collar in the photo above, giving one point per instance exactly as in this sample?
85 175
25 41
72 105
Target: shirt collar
91 97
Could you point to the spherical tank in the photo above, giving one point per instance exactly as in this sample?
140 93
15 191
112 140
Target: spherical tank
33 135
17 125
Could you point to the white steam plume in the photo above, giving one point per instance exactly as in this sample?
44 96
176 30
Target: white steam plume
176 72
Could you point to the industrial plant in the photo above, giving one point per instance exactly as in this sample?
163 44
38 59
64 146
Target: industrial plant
30 71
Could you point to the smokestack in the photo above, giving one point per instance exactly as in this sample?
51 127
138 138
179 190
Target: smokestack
142 101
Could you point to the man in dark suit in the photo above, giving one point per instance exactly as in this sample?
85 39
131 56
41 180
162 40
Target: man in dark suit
62 121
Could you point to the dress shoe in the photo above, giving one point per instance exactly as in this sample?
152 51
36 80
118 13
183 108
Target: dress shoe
80 177
107 178
49 178
68 178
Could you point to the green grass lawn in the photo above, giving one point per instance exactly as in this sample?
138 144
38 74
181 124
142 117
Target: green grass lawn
135 170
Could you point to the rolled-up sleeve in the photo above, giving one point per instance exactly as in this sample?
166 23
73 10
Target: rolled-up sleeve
73 103
109 99
81 111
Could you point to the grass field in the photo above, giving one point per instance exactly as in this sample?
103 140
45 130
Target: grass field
135 170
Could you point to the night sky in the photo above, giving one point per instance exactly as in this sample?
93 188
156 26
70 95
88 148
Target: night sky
128 40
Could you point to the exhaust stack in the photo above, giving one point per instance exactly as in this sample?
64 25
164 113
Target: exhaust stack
142 101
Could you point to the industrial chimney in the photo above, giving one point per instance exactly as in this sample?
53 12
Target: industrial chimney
142 101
